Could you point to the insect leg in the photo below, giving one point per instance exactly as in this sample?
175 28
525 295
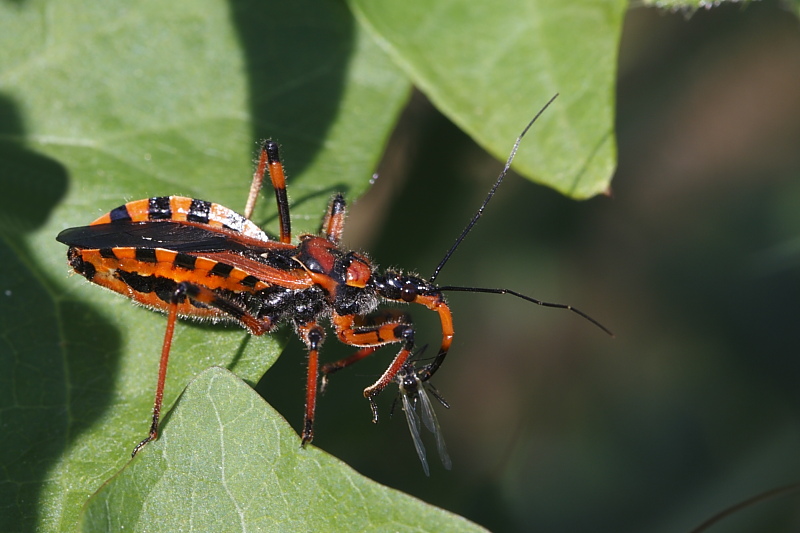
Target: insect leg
368 323
393 328
172 315
203 295
313 335
269 159
333 222
330 368
437 303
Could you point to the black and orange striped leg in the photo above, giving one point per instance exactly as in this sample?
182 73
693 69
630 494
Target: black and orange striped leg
269 159
379 330
437 303
203 295
313 335
361 325
333 222
388 376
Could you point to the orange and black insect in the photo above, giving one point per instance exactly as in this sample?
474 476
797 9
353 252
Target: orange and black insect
198 259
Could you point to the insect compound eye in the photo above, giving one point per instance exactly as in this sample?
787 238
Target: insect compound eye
408 293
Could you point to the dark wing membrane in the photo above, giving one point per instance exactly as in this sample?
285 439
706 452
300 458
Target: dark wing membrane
180 237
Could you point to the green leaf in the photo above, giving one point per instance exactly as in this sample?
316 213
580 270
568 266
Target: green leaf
489 66
227 461
102 103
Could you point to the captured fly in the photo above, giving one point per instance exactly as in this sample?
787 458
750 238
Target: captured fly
414 395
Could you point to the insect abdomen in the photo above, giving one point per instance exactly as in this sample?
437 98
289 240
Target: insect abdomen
182 209
150 276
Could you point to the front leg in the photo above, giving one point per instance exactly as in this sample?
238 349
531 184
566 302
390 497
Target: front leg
382 319
378 331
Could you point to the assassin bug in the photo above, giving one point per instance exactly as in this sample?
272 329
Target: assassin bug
198 259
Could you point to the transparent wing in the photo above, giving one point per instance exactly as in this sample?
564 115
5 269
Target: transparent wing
432 423
413 427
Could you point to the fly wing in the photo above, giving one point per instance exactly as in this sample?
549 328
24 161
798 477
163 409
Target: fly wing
413 427
432 423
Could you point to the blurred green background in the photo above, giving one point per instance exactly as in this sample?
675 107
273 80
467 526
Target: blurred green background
693 261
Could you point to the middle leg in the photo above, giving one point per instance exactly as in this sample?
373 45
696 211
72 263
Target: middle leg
313 335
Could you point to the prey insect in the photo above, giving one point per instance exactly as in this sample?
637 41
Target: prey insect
197 259
413 392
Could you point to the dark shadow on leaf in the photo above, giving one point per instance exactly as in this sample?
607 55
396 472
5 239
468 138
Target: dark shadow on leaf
297 68
32 183
240 351
10 119
45 371
58 356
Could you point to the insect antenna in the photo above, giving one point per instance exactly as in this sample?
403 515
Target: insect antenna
474 220
529 299
489 196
